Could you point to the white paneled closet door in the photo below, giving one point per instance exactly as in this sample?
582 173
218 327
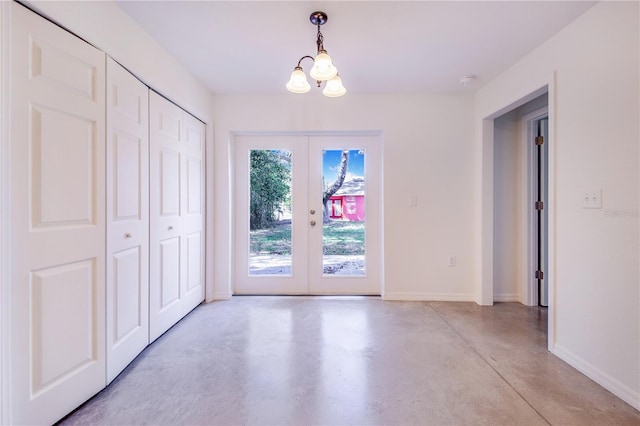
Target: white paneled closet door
127 218
176 274
57 243
192 287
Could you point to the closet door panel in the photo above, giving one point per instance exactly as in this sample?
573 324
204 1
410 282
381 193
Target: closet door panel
170 273
127 218
127 305
177 219
75 155
166 251
57 244
169 191
192 212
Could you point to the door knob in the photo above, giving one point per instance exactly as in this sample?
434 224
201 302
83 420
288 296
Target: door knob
312 223
128 235
312 211
170 228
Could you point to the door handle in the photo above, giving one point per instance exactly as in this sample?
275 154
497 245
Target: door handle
312 223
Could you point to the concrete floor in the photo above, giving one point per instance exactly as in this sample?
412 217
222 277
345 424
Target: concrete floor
353 361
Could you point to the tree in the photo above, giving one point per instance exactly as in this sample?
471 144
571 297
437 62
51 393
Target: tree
270 182
335 186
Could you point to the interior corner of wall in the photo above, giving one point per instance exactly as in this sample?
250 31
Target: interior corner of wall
218 296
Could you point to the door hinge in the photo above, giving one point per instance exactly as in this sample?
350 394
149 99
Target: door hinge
539 275
539 205
539 140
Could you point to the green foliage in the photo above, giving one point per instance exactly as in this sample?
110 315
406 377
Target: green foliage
270 174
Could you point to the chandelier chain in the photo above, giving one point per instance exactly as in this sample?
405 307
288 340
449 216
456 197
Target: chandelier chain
320 41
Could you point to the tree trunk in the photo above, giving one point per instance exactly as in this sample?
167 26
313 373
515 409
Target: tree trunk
335 186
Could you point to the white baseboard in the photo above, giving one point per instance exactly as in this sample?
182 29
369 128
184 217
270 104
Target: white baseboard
440 297
219 295
622 391
506 297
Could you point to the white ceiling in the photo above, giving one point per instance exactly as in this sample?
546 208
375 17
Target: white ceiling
378 46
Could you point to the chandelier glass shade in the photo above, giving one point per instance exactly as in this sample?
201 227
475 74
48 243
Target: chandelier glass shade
323 69
334 88
298 82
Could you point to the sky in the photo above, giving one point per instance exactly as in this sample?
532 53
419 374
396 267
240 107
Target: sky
331 163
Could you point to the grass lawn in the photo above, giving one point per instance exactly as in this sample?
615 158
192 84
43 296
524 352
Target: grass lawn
339 238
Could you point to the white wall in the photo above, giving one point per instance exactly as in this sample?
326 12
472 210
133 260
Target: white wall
507 187
106 26
427 152
592 69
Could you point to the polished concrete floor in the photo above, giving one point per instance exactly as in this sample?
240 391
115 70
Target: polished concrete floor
353 361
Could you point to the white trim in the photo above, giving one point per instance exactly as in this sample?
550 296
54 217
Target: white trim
5 219
234 133
484 295
619 389
507 297
426 297
551 227
220 295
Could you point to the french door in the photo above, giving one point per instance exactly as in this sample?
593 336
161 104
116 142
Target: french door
307 214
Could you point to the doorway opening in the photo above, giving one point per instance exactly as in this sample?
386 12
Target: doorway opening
520 204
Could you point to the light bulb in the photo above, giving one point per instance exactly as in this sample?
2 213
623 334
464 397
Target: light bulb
298 82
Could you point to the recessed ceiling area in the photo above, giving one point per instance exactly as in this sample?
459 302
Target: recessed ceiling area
251 47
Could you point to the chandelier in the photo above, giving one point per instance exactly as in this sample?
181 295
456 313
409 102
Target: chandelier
322 70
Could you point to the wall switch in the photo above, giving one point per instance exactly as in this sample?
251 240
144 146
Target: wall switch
413 201
592 199
452 262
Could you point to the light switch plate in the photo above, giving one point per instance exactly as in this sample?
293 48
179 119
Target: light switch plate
592 199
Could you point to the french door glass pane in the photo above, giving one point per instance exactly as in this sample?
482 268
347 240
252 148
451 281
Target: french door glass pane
270 212
343 231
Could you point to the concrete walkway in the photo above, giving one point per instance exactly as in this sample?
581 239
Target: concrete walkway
281 265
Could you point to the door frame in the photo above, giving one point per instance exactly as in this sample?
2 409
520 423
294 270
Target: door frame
5 219
484 196
528 161
379 204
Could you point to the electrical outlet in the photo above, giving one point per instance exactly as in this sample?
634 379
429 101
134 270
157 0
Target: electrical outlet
592 199
452 262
